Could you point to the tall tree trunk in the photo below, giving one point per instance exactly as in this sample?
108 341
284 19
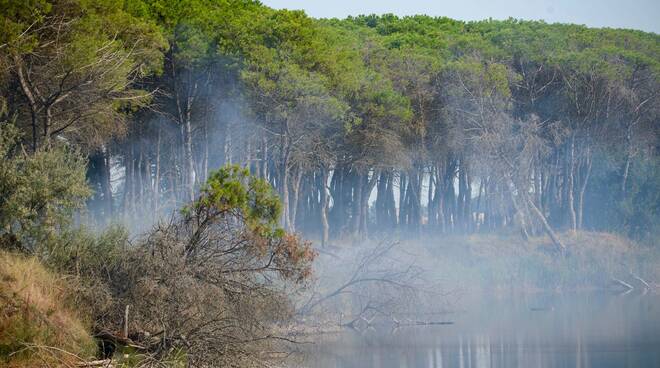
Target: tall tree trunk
189 161
356 219
522 216
430 200
205 159
403 185
284 181
415 199
583 188
478 210
264 158
106 183
369 185
128 183
546 226
184 105
296 196
156 182
381 199
140 181
624 176
390 203
32 100
325 200
571 186
439 199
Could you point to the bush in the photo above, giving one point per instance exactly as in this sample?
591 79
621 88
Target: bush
209 281
39 191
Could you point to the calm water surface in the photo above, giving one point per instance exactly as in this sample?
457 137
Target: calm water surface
558 330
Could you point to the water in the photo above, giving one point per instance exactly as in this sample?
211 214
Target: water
549 330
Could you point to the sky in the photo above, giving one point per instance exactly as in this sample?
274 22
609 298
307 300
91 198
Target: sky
636 14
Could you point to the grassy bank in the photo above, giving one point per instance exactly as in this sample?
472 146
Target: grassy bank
39 326
496 262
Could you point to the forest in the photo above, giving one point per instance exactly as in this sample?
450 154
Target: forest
230 132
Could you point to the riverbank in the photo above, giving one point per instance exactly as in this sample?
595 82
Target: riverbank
363 284
591 261
406 284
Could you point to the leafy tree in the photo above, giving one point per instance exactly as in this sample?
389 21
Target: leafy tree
39 192
75 64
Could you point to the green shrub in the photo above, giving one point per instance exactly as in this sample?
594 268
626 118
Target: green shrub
39 191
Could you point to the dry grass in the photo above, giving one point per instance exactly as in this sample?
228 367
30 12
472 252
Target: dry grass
37 326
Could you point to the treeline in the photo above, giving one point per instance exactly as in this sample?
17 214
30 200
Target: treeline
363 125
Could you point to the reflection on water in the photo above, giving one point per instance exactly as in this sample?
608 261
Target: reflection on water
532 331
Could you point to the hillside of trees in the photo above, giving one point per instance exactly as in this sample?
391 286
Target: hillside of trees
120 112
366 124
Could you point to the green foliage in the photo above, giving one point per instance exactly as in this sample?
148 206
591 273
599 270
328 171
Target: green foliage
80 84
18 16
38 192
82 251
232 189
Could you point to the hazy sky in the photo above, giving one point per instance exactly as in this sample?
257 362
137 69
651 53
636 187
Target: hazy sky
637 14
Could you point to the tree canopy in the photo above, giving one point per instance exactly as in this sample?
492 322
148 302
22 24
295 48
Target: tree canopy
337 114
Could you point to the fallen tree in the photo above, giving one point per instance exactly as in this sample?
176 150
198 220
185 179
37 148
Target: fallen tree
381 284
208 284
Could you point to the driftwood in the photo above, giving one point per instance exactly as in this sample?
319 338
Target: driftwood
430 323
640 280
367 323
105 363
639 284
626 285
109 341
